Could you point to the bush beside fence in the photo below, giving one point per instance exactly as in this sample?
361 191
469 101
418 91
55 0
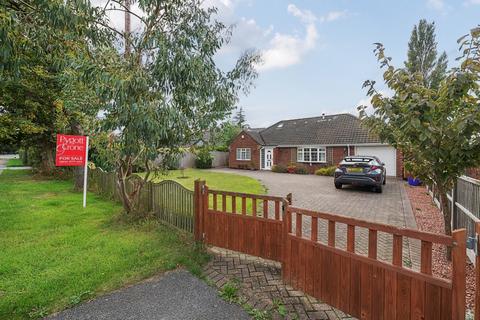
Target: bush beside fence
168 200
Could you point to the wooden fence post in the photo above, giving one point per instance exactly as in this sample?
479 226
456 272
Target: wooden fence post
477 273
286 218
204 222
289 198
459 259
198 211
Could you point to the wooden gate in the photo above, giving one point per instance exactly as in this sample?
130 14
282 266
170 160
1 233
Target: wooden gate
246 223
364 286
360 285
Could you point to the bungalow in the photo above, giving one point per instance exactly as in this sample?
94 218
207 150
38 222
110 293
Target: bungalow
310 142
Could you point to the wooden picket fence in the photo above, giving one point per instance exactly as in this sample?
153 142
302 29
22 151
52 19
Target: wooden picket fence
360 285
168 200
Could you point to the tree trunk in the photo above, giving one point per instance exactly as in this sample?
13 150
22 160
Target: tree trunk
122 188
130 199
447 216
48 159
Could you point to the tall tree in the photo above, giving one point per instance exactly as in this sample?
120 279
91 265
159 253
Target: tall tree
167 90
40 41
239 118
422 55
438 129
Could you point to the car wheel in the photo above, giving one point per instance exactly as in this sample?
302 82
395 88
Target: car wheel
378 189
338 185
384 180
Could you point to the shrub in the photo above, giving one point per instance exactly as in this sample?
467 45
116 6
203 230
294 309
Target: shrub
279 168
291 168
204 159
327 171
301 170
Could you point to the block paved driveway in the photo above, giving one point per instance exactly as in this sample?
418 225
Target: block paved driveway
318 193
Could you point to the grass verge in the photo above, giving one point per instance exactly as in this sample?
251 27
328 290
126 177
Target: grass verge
56 254
14 163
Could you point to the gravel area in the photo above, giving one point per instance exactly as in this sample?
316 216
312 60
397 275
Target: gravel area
429 218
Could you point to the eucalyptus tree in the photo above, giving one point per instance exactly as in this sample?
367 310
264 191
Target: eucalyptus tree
438 129
165 90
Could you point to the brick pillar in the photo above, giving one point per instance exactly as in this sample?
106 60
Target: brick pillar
399 164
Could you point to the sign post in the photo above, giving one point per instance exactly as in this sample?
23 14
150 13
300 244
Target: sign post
85 171
72 151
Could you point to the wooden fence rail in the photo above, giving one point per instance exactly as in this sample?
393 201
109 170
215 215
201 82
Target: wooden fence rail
364 286
360 285
168 200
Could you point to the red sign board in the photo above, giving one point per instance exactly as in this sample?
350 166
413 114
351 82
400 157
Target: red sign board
71 150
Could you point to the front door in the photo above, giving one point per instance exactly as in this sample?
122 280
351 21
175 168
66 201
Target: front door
268 158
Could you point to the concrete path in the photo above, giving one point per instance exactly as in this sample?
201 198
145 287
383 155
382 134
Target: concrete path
176 295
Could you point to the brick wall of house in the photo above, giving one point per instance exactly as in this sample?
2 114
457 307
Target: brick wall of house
243 140
285 156
400 171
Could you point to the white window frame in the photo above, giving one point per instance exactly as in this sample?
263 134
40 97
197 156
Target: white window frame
321 151
244 154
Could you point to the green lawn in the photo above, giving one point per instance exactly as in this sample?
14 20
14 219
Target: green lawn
55 254
15 163
215 180
219 181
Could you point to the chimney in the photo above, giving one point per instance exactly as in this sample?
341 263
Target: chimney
323 115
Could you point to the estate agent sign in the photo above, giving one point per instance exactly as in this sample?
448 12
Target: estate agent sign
72 151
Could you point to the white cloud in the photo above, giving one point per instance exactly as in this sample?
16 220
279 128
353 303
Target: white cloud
471 2
333 15
436 4
278 49
284 50
305 15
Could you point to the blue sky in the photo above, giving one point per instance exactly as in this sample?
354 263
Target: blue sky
318 52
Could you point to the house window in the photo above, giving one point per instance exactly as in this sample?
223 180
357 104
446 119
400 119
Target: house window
312 155
243 154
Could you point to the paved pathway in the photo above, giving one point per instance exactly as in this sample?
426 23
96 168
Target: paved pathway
318 193
176 295
261 286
